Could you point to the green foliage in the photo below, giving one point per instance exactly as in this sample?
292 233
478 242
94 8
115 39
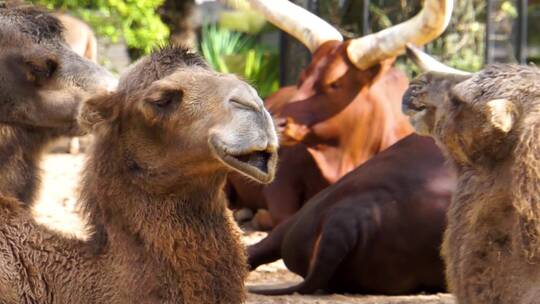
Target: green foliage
246 21
233 52
136 21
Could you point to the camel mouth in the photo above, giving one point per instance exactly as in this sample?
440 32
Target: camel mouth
258 159
259 165
413 108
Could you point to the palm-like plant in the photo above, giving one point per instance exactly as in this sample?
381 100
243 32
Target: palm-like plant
234 52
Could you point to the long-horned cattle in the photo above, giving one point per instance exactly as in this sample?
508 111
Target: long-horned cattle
152 191
376 230
345 108
42 84
488 126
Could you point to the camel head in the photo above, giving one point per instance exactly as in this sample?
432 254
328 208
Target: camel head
42 81
179 119
477 117
488 122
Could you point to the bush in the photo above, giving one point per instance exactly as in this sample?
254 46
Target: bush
234 52
136 21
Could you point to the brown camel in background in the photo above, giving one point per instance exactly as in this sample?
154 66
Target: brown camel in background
79 36
43 83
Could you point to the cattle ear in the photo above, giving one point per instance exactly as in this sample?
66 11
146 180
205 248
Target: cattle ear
98 110
376 71
500 114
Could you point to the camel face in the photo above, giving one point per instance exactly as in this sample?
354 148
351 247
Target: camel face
42 80
425 98
240 132
469 115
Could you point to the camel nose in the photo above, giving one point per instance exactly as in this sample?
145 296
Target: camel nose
408 104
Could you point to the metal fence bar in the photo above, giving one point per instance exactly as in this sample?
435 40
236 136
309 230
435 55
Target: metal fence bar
488 47
365 18
313 6
521 48
293 55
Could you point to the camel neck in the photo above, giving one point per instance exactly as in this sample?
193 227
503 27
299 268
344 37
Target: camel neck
20 150
184 235
115 201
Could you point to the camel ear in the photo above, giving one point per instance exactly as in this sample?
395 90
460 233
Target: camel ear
501 114
97 110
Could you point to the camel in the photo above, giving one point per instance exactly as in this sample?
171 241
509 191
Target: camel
152 190
82 40
43 83
487 124
79 36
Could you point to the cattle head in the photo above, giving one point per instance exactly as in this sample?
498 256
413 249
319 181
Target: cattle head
341 72
347 104
42 81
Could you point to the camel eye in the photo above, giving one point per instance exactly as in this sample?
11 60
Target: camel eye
456 102
168 99
41 72
240 105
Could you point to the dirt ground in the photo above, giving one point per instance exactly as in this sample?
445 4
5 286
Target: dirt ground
57 203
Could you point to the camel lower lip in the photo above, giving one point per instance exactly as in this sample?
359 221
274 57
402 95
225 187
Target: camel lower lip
257 165
254 165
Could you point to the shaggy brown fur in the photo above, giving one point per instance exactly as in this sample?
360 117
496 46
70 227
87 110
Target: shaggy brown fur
153 192
42 83
489 126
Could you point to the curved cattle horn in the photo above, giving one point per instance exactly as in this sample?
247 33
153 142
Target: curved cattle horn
309 29
427 63
421 29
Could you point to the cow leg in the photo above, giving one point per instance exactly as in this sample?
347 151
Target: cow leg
269 249
340 234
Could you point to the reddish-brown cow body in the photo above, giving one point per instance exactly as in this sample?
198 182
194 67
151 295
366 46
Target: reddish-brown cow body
377 230
337 117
